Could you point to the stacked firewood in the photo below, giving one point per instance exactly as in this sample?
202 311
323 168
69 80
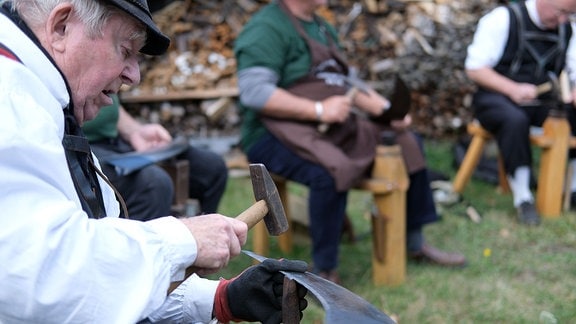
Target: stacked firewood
422 41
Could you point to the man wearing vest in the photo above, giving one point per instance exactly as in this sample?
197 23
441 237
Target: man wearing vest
65 255
513 50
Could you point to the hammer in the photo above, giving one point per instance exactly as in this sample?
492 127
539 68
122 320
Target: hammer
560 84
268 207
355 85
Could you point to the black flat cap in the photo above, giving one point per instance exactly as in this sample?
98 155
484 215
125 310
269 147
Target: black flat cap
156 42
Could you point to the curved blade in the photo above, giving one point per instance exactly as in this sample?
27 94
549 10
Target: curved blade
341 306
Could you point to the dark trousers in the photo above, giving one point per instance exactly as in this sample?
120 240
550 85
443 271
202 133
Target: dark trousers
326 206
149 192
510 125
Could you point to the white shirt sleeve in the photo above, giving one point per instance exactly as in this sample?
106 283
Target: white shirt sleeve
489 40
183 304
56 265
571 57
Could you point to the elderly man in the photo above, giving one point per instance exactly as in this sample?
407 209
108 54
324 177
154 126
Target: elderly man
65 256
513 49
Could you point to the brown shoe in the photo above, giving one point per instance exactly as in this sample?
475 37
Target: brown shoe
432 255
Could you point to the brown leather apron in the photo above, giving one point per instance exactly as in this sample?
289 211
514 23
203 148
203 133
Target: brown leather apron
347 149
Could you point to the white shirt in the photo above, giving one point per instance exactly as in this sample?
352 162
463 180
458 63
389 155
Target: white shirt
491 36
56 264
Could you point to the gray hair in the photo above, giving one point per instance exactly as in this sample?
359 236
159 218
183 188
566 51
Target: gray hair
93 13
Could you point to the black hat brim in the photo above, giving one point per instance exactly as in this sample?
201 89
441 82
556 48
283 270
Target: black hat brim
156 42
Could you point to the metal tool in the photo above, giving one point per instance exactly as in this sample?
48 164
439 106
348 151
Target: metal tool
268 207
355 83
400 103
268 204
556 104
341 306
558 89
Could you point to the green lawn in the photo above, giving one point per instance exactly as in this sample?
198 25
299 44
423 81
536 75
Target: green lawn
516 274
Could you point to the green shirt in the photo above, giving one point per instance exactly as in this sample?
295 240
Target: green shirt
270 40
105 125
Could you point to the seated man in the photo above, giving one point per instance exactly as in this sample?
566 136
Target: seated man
290 75
507 59
149 191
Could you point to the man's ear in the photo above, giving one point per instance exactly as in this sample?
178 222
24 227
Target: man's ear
56 26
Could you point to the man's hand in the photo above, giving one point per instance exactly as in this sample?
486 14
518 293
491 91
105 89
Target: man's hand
401 124
149 136
372 102
256 294
336 109
523 93
218 238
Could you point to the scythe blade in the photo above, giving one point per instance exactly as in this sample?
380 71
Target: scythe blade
340 305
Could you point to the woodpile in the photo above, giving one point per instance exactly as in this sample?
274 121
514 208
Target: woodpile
423 41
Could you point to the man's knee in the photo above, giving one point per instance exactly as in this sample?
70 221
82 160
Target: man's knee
154 181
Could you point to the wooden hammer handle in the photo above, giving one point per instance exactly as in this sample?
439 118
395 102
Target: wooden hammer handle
250 216
351 93
254 213
290 302
544 87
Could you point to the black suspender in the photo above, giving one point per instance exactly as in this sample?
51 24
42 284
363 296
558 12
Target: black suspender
82 168
79 159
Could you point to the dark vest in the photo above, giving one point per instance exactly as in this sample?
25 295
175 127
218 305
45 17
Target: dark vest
530 51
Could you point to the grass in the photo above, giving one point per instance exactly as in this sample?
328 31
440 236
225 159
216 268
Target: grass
515 274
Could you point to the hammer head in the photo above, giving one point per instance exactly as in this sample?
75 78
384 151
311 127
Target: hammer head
555 85
265 189
556 92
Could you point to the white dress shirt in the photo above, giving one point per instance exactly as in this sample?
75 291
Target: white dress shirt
491 36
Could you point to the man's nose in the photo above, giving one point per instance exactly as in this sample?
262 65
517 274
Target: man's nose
131 73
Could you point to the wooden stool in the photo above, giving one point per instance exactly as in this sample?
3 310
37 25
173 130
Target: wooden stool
480 137
555 140
388 186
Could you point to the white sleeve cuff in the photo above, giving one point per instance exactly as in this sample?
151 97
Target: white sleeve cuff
191 302
181 245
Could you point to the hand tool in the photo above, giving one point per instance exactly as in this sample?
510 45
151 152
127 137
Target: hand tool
268 207
356 85
558 92
544 87
341 306
558 87
400 103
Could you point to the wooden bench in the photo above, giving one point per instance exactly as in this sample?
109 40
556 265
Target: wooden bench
387 186
554 141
